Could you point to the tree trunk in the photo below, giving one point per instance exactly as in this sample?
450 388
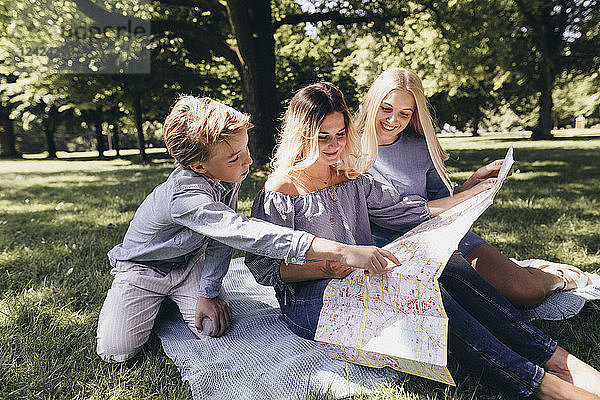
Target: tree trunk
50 131
253 28
115 138
545 123
99 138
137 106
7 135
476 123
49 123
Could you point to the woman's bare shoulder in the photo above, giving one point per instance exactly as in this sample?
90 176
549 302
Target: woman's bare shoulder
282 184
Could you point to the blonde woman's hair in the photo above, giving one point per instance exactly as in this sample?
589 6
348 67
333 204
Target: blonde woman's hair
421 121
195 124
298 142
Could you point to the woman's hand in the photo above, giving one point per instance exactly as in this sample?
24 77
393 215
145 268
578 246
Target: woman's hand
370 258
483 186
438 206
482 174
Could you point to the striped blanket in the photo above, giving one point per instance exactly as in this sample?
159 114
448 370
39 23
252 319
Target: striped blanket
259 358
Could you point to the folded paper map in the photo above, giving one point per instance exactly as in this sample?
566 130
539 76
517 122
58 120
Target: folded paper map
397 319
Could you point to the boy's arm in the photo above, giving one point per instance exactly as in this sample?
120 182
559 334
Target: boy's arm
217 258
370 258
199 212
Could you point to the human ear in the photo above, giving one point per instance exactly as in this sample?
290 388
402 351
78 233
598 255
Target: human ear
198 166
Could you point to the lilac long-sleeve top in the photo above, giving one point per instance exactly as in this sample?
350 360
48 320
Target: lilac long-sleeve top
190 210
406 165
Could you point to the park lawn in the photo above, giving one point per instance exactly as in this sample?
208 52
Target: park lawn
59 218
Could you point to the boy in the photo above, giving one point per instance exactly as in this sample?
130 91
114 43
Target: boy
179 243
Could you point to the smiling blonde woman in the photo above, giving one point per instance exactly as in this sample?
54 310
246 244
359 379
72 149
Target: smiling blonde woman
399 141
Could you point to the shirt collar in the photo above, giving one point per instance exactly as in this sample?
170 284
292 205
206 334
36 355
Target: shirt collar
220 187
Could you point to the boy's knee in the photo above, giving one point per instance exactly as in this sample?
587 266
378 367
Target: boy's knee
116 343
116 351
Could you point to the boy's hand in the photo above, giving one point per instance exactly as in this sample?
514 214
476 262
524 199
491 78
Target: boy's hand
337 270
217 310
370 258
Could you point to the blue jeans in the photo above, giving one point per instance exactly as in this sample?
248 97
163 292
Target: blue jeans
485 330
382 236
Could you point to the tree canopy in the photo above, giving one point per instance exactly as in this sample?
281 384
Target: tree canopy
480 60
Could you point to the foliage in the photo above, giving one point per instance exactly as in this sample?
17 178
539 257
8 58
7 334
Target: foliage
482 62
36 87
561 35
577 95
319 56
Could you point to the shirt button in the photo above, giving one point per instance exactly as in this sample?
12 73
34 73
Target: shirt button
293 259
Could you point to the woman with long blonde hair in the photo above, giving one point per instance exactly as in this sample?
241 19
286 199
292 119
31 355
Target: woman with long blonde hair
316 186
402 150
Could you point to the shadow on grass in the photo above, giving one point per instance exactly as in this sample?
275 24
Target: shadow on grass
590 242
129 182
43 354
470 159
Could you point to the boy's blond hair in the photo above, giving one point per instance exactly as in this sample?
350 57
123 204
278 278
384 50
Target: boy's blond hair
195 124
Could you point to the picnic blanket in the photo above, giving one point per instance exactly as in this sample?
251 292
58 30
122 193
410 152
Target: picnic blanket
259 358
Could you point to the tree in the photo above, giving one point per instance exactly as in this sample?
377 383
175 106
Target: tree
512 51
8 148
29 89
574 96
474 62
554 29
242 32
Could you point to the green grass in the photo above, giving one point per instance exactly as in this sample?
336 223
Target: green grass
59 218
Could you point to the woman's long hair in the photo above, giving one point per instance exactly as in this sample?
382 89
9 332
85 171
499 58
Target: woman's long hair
421 121
298 142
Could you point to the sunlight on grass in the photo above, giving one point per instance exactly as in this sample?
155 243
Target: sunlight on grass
41 300
94 154
24 166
